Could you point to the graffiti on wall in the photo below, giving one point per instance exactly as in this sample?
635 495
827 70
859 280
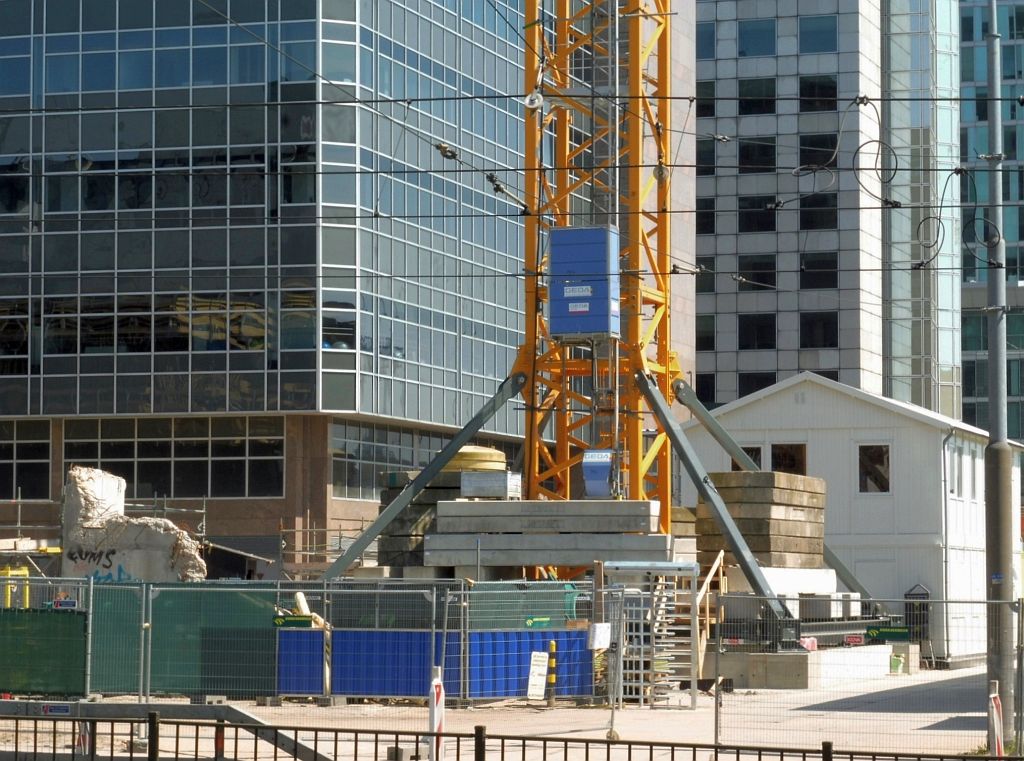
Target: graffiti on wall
100 565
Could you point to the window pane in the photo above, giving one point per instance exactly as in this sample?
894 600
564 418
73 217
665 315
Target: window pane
789 458
135 70
705 324
750 382
818 150
172 68
757 96
705 279
819 330
818 93
705 216
756 272
819 269
756 37
705 40
873 468
756 155
61 73
756 214
755 331
819 34
706 156
705 98
819 212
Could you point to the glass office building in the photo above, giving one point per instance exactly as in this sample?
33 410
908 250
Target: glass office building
222 276
974 136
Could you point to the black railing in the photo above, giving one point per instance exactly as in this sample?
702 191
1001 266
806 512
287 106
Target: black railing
49 738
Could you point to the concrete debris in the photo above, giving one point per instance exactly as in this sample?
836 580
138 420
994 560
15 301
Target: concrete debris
101 542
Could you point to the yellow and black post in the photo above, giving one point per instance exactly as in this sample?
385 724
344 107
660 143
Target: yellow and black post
552 663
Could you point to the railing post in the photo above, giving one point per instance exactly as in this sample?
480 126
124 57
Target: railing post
826 751
479 743
153 748
218 741
92 739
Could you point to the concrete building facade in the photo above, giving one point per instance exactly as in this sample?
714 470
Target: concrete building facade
813 208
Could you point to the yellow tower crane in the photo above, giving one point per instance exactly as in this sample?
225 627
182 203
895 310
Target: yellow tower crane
598 128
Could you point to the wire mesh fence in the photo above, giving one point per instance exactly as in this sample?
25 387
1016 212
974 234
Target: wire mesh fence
866 676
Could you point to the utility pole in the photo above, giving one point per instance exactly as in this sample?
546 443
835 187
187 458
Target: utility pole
999 530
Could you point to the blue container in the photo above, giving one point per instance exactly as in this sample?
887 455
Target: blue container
300 662
584 291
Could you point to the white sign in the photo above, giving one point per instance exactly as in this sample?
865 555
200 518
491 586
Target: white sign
600 636
436 714
578 306
578 290
538 676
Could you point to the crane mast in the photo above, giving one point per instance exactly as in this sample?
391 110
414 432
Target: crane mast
597 144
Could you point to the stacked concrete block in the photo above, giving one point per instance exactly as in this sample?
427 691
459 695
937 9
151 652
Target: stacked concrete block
401 544
781 516
684 534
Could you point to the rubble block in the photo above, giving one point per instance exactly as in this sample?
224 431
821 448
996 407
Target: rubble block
767 511
399 479
777 559
765 495
800 529
543 549
426 497
548 516
762 543
415 519
767 479
684 521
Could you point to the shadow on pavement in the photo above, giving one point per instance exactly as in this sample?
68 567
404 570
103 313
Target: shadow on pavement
960 695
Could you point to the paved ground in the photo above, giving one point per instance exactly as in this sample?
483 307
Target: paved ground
932 711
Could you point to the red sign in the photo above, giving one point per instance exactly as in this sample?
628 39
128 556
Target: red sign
854 639
437 719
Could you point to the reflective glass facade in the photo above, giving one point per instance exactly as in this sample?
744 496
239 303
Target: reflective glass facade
192 222
974 137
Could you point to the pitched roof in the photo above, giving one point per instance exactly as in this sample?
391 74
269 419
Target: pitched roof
912 411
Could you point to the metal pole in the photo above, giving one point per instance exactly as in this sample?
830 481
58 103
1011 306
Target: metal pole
142 643
999 530
149 642
1019 690
718 683
89 613
153 749
479 743
19 512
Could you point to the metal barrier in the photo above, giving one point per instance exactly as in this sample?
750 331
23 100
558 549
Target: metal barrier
53 739
869 675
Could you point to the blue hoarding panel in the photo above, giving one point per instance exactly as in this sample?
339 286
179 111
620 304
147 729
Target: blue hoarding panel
300 662
499 662
391 663
584 288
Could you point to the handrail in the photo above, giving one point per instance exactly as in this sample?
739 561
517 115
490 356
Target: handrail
711 572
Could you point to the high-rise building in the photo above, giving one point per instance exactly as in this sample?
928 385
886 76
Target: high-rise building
826 228
246 253
974 137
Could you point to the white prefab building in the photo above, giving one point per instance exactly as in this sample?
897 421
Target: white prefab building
906 490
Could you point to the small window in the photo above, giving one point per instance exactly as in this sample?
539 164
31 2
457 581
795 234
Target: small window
748 383
819 34
818 150
819 211
754 453
757 96
818 93
756 38
756 272
819 269
705 278
789 458
755 214
819 330
705 214
705 389
705 156
756 155
873 468
705 40
755 331
705 328
706 98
